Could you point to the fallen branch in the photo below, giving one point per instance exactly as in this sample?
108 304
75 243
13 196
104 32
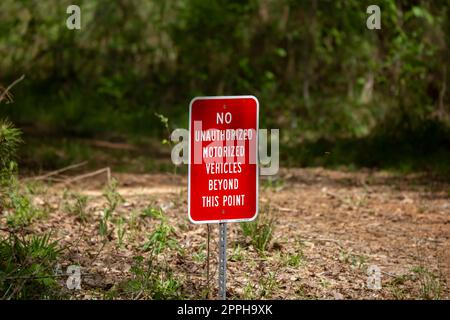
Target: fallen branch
56 172
106 170
5 94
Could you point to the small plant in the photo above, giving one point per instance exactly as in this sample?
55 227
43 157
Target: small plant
103 225
19 205
113 199
26 267
237 254
249 292
260 232
430 285
267 285
120 231
294 260
275 184
133 221
161 238
166 141
76 204
396 286
355 260
150 281
153 213
199 256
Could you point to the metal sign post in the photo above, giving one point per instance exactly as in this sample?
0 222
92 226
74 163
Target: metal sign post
223 166
222 261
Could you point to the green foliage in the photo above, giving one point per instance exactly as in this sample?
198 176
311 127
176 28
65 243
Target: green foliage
150 281
317 70
156 213
161 238
119 224
112 196
76 204
430 284
200 255
113 199
237 253
294 260
259 231
18 203
10 138
355 260
27 267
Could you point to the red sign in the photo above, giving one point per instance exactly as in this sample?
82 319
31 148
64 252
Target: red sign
223 159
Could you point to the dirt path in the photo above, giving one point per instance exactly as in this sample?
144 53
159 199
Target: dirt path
330 226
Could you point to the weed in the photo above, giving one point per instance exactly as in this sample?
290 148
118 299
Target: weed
75 204
275 184
133 221
113 199
120 230
325 283
200 255
396 286
237 254
355 260
294 260
153 213
430 285
249 292
151 281
260 232
21 210
103 225
161 238
267 285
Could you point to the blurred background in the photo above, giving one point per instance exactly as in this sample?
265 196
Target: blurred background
342 95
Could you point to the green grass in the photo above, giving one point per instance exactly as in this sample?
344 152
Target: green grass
113 199
259 232
430 286
355 260
294 260
149 280
152 212
76 204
